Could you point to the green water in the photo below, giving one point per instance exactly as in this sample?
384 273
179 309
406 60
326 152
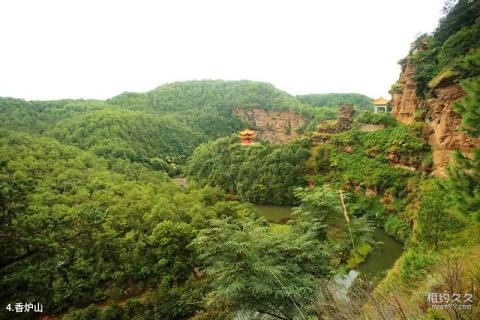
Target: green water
382 257
275 214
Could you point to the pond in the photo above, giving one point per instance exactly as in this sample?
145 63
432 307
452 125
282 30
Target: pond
381 259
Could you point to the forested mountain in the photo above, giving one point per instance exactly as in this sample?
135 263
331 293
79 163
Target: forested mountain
207 106
219 94
159 128
360 101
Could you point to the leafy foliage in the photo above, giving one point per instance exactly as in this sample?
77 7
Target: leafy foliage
468 107
40 116
397 227
320 114
251 268
316 206
350 240
426 62
415 265
261 173
459 44
365 162
462 14
434 219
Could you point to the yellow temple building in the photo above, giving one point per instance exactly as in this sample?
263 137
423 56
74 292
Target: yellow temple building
380 104
247 136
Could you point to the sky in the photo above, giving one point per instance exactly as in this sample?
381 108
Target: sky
99 49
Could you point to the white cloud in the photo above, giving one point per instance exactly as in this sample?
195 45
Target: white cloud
98 49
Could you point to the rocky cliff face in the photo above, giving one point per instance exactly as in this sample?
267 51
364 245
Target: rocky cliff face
276 126
443 131
404 97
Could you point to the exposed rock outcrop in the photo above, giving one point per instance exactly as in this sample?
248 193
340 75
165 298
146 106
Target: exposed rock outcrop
445 121
272 125
444 134
327 127
345 117
343 123
404 96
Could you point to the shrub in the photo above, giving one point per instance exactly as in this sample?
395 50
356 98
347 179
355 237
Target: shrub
415 265
470 64
377 118
397 228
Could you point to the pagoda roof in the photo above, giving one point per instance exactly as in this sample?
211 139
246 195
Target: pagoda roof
380 102
247 132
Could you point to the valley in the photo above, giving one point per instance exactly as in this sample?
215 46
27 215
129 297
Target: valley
216 199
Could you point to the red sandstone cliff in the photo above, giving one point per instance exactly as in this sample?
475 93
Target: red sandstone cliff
404 97
444 133
276 126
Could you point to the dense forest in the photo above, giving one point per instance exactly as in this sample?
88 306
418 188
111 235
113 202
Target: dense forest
94 224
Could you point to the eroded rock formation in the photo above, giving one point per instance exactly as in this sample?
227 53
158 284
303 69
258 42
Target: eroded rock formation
443 133
345 117
404 97
272 125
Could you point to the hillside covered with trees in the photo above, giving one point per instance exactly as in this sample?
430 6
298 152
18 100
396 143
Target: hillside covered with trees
362 102
96 225
159 128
